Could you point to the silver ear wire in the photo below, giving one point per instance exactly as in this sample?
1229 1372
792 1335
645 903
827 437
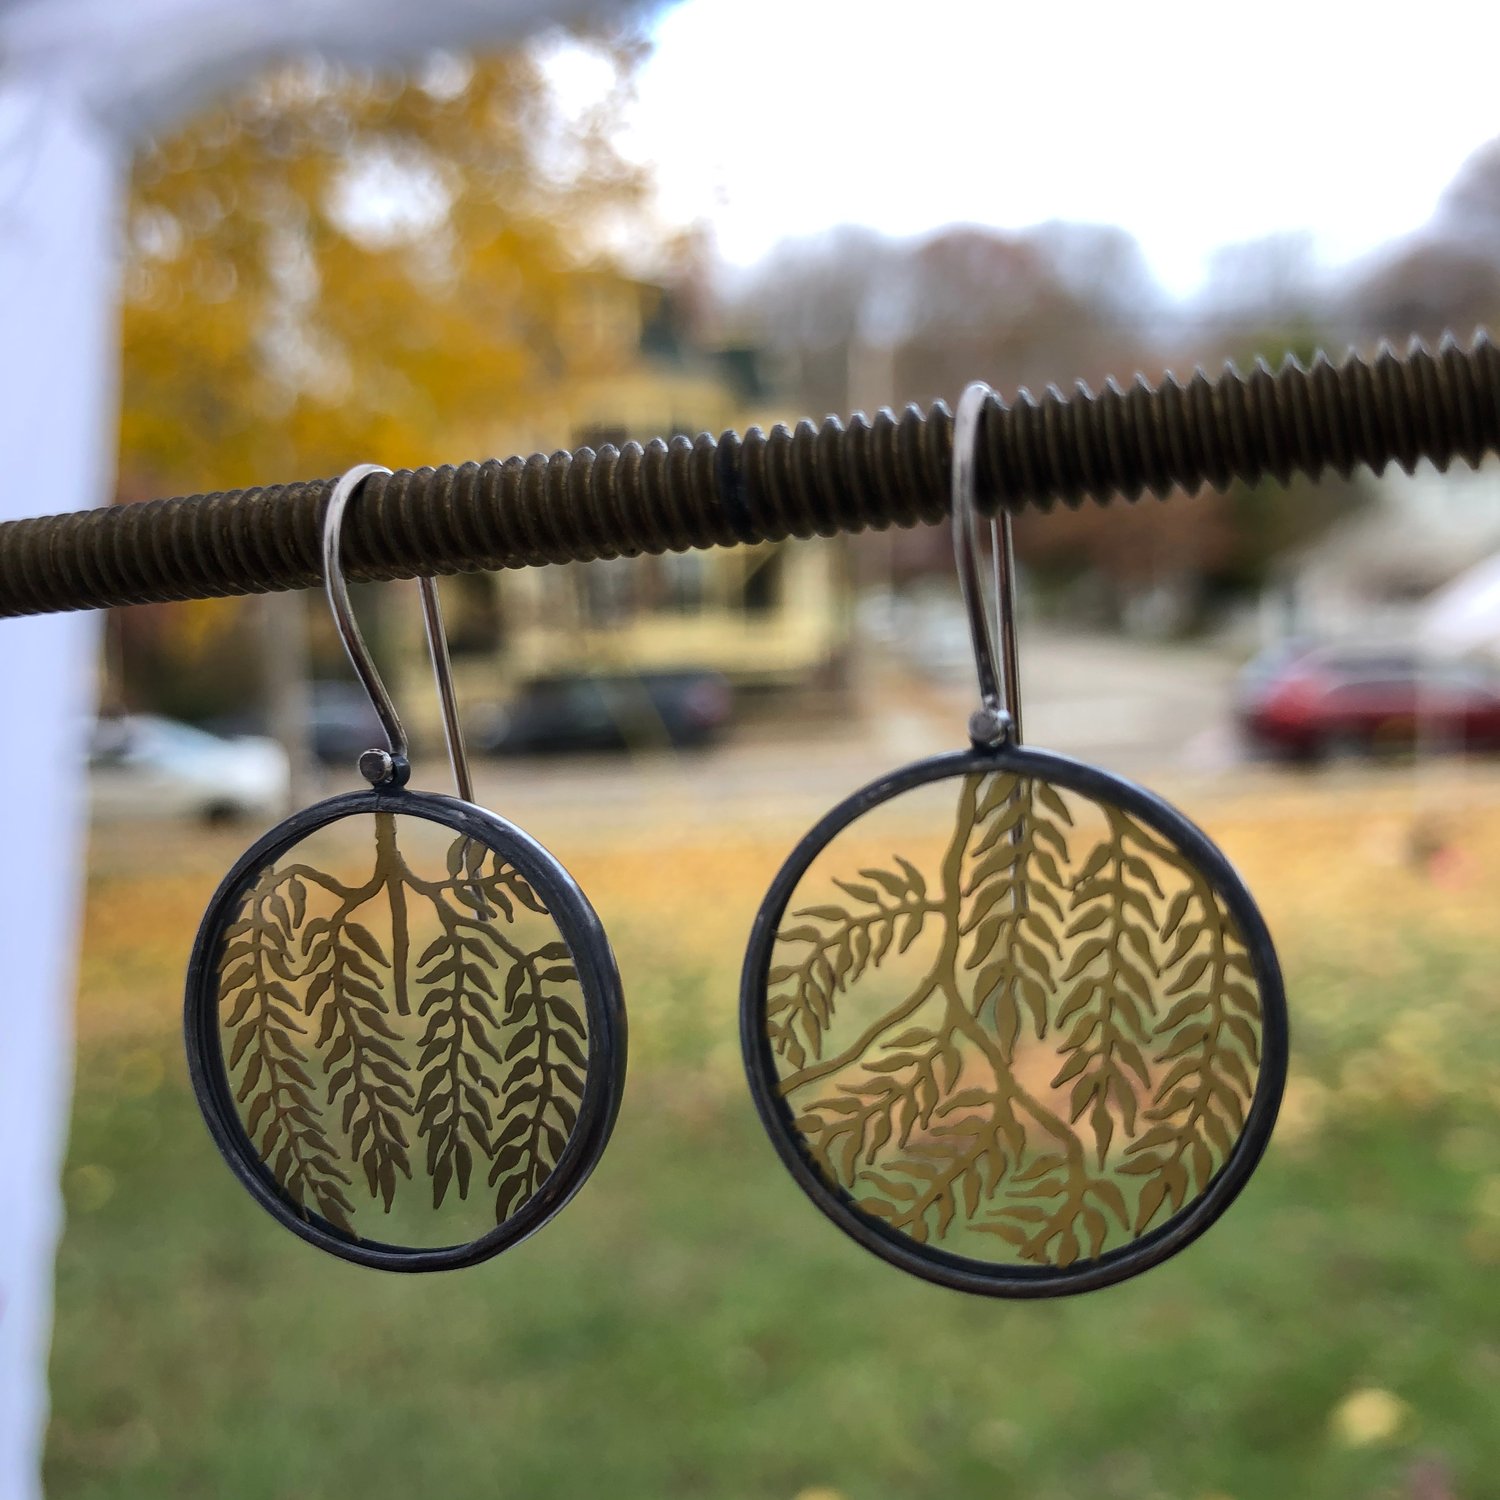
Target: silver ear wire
391 765
998 716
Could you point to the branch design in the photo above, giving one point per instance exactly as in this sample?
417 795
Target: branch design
391 989
1211 1047
544 1084
1063 1040
1112 976
269 1046
837 946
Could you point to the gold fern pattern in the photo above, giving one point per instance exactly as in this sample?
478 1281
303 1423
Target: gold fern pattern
402 1029
1037 1052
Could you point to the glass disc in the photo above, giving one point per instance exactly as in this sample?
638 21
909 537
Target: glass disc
405 1029
1014 1023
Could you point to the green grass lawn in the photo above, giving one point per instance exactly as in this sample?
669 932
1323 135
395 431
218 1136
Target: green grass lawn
690 1326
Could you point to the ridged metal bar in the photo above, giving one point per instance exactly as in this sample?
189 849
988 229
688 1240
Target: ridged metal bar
891 470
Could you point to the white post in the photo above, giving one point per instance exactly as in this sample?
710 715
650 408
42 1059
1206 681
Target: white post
58 196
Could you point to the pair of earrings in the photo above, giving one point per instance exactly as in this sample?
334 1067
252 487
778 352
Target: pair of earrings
1039 1051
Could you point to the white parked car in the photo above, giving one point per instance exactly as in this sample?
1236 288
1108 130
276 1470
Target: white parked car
141 766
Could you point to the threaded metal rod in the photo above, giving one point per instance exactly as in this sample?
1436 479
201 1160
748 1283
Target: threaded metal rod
891 470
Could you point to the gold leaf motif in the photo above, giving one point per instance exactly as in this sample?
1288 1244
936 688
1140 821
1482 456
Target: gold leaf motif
1067 1059
349 1046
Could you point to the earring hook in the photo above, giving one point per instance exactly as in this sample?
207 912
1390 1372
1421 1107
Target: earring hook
392 765
998 717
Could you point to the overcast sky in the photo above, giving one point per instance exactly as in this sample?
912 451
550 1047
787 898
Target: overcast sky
1193 124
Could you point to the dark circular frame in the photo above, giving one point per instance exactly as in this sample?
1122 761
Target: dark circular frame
963 1273
598 978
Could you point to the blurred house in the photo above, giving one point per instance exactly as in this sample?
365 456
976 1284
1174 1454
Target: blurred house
1370 577
773 615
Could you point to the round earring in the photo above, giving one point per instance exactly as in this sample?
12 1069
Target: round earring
403 1019
1042 1048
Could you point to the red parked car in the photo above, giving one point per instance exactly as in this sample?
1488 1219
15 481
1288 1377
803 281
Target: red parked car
1329 701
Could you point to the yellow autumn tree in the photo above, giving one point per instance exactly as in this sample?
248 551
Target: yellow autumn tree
332 262
333 265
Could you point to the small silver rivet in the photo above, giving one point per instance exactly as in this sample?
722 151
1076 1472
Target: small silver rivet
989 726
377 766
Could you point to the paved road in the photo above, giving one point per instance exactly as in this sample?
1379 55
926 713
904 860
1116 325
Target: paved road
1133 707
1153 712
1157 714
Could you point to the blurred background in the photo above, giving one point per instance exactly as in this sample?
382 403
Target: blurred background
700 218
